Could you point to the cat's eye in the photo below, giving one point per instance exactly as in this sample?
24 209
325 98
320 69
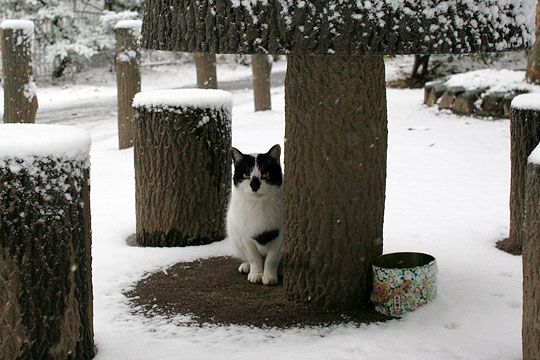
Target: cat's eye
246 177
265 176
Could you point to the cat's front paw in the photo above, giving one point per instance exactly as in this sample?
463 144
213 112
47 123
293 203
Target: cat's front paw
269 279
255 277
244 268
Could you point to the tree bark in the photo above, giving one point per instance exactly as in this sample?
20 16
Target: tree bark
533 56
524 136
531 266
336 143
262 66
206 70
45 260
182 174
128 80
20 101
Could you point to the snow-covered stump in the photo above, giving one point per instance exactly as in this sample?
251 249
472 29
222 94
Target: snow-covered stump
128 77
206 70
182 166
524 136
262 67
45 243
20 101
531 259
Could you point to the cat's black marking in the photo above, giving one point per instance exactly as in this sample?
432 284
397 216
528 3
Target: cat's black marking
243 168
266 236
270 169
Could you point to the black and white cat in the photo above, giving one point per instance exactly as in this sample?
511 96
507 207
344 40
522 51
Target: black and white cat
255 214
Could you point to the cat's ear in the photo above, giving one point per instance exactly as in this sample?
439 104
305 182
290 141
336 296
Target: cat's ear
275 152
236 155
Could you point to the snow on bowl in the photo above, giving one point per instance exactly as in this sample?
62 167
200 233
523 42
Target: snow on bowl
403 281
40 140
195 98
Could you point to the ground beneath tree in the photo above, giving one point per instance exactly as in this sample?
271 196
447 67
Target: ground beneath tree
213 291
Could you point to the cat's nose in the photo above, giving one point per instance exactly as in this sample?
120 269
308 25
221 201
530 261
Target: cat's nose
255 183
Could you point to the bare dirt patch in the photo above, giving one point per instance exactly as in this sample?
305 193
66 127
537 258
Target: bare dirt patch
212 291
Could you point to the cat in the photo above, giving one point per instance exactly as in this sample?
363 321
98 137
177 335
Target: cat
255 214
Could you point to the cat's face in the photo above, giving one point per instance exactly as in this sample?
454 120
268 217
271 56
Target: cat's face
257 174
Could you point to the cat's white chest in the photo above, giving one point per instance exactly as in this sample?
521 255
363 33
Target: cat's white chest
248 217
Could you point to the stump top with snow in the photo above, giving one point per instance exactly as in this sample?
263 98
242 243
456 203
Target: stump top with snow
31 140
183 98
26 25
527 102
343 27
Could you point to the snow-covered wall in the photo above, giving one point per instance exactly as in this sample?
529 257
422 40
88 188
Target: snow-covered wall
339 26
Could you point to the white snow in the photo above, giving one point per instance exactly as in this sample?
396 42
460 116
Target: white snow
496 80
26 25
447 195
134 25
206 98
534 157
39 140
527 101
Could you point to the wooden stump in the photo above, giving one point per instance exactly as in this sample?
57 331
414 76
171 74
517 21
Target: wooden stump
20 101
449 96
432 92
531 260
128 77
335 177
45 243
182 166
262 66
206 70
524 136
464 104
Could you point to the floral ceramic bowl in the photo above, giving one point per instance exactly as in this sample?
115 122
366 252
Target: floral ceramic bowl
403 281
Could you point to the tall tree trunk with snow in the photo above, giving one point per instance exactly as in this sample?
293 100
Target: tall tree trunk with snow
206 70
262 67
182 166
128 78
335 177
524 136
533 58
45 249
20 101
531 263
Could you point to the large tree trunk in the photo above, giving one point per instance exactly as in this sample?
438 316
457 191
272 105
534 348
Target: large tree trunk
45 260
335 174
531 265
182 173
524 136
128 79
533 58
206 70
20 101
262 67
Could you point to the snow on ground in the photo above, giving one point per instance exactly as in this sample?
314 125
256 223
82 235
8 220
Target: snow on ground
447 195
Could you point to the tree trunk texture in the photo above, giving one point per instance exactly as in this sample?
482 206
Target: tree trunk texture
206 70
335 177
533 56
20 101
182 175
524 136
128 79
531 266
262 66
45 260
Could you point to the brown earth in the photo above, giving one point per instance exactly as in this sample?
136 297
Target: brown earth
213 291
